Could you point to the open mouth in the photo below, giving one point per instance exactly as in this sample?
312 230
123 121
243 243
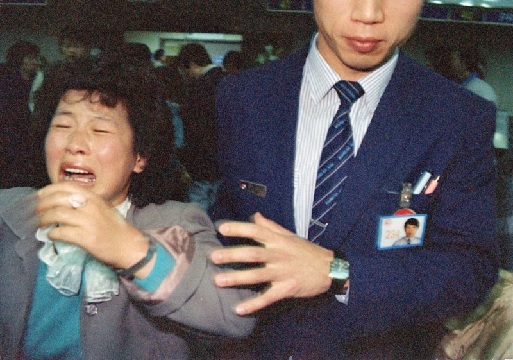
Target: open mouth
84 176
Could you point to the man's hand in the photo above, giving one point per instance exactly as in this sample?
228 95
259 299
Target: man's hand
294 267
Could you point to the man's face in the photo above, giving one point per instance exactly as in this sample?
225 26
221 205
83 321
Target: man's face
30 65
410 230
458 68
356 36
73 50
194 71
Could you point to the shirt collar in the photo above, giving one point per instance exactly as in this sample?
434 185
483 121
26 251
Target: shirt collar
469 79
124 206
321 77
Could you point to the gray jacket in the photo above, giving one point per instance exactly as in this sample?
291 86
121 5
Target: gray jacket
135 324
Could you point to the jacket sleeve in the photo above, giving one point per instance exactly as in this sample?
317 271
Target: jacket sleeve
188 294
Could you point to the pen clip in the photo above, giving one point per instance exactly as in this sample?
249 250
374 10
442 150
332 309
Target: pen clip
405 197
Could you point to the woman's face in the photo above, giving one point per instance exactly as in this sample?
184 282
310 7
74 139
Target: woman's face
92 144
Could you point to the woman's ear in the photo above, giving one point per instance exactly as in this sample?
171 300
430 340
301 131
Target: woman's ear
140 164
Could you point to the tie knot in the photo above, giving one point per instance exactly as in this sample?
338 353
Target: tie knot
348 91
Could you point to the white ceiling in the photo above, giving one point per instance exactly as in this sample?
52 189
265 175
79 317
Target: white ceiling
483 3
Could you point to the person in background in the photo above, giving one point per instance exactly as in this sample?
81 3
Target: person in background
98 263
158 58
134 53
327 290
173 84
75 43
37 82
22 66
472 67
233 62
465 65
199 155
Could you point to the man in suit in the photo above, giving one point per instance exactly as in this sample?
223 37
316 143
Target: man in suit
343 297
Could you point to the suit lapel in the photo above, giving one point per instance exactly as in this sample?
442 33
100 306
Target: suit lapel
280 131
384 150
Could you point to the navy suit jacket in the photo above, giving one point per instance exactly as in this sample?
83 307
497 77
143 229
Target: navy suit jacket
398 298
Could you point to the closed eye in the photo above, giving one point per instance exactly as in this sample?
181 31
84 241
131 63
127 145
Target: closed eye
61 126
101 131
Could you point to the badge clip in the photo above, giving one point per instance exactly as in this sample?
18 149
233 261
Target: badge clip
405 200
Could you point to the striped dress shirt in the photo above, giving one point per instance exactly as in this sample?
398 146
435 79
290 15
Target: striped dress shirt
318 103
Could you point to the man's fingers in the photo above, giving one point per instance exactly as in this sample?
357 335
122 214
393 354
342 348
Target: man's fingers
243 277
239 254
259 302
261 230
244 230
259 219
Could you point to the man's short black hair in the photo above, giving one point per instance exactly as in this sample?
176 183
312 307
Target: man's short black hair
193 53
158 54
76 36
17 52
412 221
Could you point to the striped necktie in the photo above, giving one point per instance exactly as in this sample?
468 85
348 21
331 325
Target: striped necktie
337 153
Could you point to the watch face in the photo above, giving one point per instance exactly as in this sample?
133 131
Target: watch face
339 269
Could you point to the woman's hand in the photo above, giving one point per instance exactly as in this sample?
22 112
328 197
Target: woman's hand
87 220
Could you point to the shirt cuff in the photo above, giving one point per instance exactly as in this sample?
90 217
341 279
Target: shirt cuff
164 264
343 298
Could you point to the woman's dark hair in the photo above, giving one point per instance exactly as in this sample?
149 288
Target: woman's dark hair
150 118
71 35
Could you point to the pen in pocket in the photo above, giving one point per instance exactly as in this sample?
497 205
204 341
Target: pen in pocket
421 183
431 186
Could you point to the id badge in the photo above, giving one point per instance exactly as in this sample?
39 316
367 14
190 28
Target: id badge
405 228
401 231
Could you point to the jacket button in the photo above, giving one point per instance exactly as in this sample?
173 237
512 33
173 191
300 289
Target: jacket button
91 309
